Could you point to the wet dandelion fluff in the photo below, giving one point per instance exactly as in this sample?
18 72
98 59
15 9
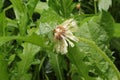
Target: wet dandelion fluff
63 36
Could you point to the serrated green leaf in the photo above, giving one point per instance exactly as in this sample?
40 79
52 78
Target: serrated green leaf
98 28
50 16
3 40
31 6
11 58
18 6
95 55
74 73
11 23
34 39
41 6
21 15
76 57
93 31
35 62
62 7
29 52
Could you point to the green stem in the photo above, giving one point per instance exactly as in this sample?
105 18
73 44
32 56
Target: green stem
92 44
7 8
95 6
58 66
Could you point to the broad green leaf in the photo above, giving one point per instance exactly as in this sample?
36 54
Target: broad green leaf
117 29
107 23
3 68
115 44
104 4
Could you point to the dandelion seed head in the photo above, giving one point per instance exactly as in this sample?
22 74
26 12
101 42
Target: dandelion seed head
63 36
59 32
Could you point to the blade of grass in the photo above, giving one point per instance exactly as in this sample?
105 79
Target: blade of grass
2 23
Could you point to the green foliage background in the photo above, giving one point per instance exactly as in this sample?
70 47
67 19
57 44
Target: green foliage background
27 45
